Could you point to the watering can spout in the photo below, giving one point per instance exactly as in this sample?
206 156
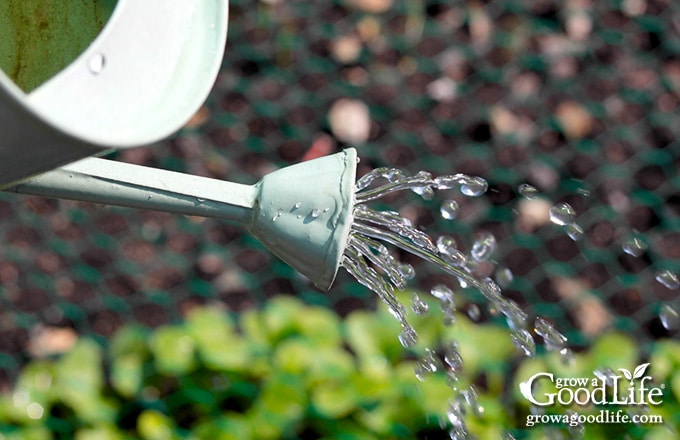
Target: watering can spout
304 213
301 213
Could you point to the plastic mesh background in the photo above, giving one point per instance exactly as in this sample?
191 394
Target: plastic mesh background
579 99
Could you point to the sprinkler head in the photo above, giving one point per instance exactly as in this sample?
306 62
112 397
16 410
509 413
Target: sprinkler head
303 214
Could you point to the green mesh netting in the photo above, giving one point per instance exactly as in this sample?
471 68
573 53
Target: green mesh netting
580 102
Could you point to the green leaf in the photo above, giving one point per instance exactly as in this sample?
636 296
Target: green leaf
280 317
30 433
102 432
29 403
614 350
253 327
665 359
230 426
127 374
129 339
154 425
321 326
483 347
295 356
173 350
675 385
334 400
79 380
527 369
331 363
218 346
279 407
370 334
80 368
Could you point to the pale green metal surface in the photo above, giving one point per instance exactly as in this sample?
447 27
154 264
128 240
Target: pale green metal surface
121 184
147 72
301 213
38 39
304 214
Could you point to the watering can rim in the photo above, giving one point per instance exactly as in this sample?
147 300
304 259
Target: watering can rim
200 88
47 128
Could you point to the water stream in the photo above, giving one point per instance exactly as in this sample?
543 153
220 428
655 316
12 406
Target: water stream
369 259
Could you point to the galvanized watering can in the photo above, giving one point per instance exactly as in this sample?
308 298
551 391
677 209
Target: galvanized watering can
79 81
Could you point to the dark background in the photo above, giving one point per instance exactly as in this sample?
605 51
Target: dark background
577 98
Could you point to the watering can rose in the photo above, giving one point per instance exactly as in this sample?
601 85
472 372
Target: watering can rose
585 391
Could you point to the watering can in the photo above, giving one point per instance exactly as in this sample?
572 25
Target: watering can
148 67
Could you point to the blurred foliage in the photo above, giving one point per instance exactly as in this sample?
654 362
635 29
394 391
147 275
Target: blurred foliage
294 371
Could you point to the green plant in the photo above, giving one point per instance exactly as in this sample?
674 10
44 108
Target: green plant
291 371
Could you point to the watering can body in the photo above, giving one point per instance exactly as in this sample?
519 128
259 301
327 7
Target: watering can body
147 71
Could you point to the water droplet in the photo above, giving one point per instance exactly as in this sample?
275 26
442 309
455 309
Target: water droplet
448 307
390 174
536 410
471 397
634 246
453 359
668 279
446 244
567 357
605 374
316 213
504 276
574 427
584 192
524 342
326 209
562 214
407 271
670 318
429 363
297 205
431 360
574 231
474 312
474 186
449 209
96 63
491 290
425 189
455 415
442 292
483 247
408 336
419 306
447 248
527 191
554 340
447 182
420 371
